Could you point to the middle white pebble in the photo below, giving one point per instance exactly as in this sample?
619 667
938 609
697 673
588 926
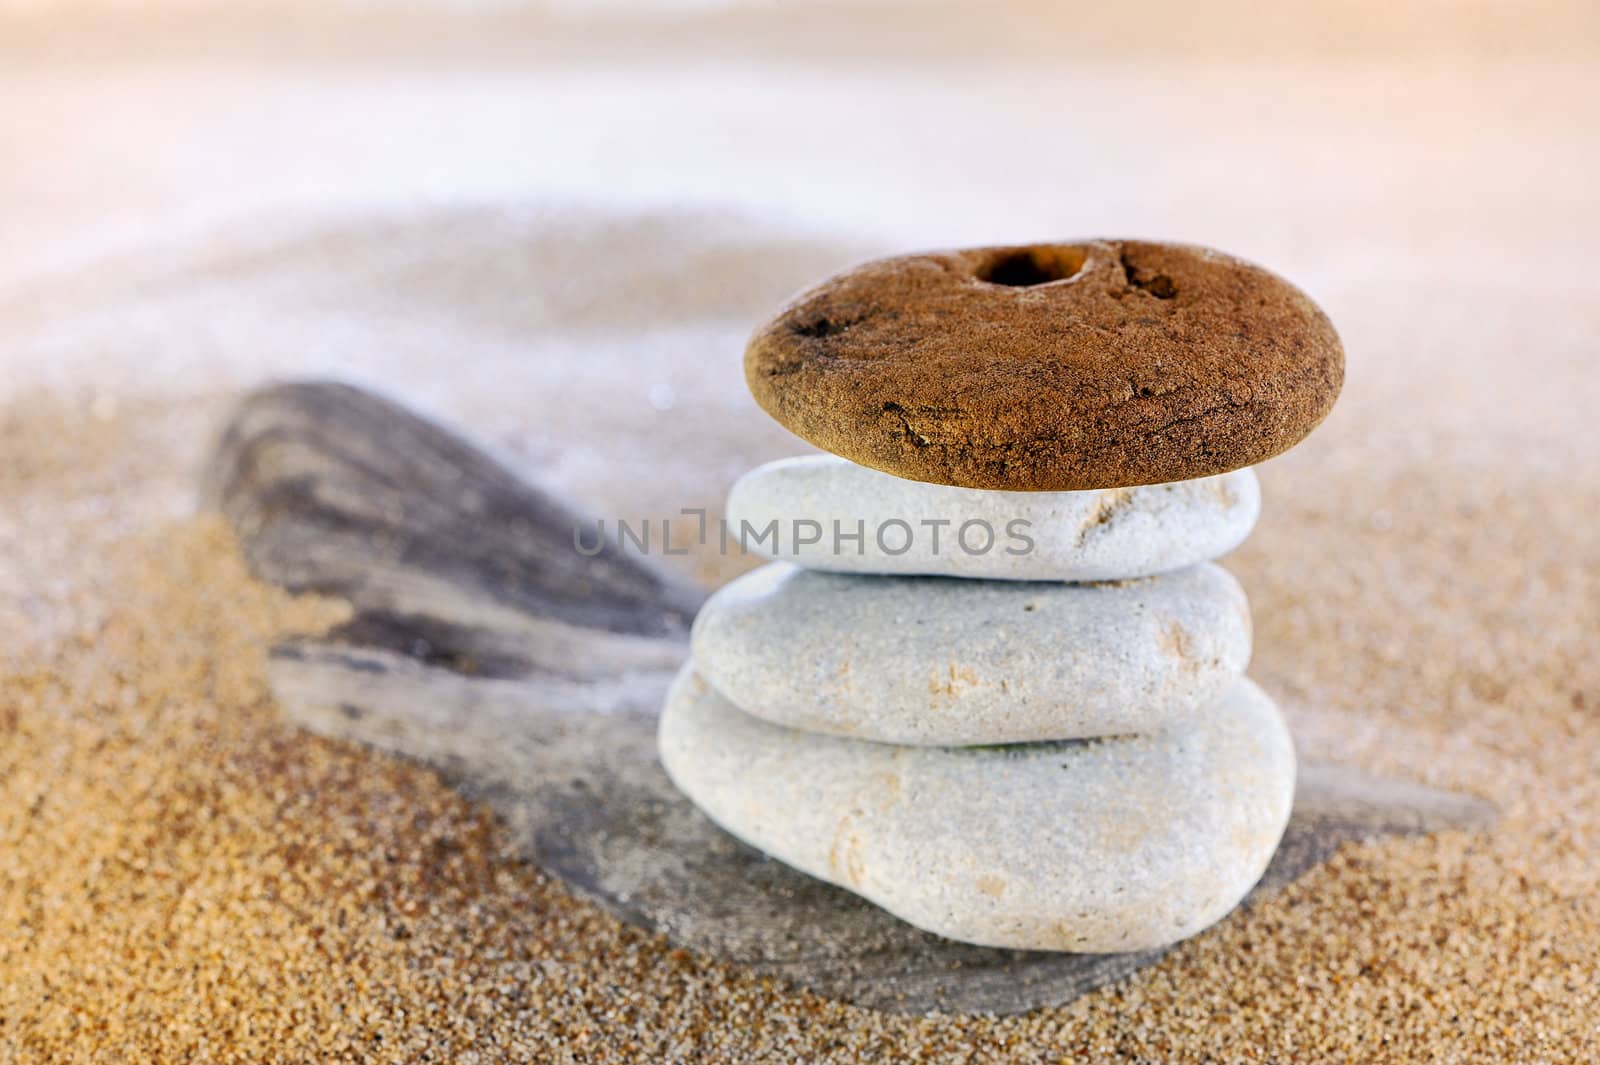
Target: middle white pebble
941 662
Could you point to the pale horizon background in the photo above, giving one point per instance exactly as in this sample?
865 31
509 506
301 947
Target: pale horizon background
541 225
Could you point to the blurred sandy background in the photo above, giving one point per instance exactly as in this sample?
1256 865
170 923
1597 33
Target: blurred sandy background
556 226
455 200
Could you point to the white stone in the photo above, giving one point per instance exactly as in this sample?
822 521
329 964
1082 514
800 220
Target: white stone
1093 846
928 660
1056 536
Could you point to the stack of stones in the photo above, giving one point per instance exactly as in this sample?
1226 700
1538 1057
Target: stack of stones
994 682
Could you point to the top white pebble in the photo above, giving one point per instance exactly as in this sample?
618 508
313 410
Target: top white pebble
828 513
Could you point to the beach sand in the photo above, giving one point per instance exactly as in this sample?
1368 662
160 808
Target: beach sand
185 877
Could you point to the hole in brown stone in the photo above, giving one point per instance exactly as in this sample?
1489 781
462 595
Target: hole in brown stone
1026 267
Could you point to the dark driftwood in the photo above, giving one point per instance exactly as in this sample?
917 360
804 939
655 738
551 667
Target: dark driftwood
485 645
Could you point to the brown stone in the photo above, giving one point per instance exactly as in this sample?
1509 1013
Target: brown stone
1099 364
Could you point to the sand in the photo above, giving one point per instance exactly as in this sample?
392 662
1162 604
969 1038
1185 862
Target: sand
189 878
184 877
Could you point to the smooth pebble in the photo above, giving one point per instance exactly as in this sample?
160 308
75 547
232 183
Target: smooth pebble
1091 846
930 660
827 513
